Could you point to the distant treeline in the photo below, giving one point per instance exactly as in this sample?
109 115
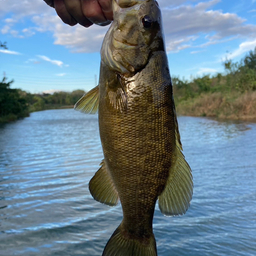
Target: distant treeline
37 102
230 95
15 103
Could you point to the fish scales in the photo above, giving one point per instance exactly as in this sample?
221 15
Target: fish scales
142 143
138 127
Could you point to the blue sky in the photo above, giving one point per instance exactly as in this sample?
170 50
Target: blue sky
44 54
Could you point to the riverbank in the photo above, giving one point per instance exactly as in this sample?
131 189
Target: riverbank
232 106
214 105
12 117
231 95
16 104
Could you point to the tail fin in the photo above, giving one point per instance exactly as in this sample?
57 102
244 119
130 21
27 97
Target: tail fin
119 245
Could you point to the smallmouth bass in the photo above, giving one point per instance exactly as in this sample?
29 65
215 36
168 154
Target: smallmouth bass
139 132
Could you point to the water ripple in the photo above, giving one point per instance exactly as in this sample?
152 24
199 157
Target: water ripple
47 160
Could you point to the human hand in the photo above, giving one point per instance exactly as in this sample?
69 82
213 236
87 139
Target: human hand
84 12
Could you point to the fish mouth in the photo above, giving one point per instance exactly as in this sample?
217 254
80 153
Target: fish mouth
124 44
126 3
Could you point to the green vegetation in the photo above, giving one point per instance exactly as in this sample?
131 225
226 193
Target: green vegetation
230 96
56 100
13 105
3 45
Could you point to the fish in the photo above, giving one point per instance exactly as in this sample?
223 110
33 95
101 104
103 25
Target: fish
143 160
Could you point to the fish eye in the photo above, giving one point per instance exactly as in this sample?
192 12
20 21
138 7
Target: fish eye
146 21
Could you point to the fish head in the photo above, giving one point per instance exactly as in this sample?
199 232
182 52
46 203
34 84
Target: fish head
133 36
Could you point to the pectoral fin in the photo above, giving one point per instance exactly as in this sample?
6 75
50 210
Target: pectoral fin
102 187
117 94
176 197
118 99
89 103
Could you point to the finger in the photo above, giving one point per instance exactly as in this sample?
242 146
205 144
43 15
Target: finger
61 10
106 7
92 10
50 2
74 9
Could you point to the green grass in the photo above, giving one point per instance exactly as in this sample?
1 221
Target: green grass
227 96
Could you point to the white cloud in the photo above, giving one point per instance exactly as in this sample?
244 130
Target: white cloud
18 11
34 61
61 74
28 31
213 26
9 52
187 24
77 38
195 52
55 62
173 3
15 33
180 44
206 71
23 8
243 48
51 91
5 29
9 20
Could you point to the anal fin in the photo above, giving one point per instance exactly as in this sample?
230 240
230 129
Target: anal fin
102 187
177 194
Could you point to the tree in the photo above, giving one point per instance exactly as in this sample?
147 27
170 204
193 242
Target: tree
3 45
230 66
12 104
203 83
250 59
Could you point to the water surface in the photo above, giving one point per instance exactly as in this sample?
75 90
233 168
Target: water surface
47 160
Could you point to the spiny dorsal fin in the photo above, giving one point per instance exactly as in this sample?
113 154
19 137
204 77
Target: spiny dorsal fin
102 187
176 197
89 103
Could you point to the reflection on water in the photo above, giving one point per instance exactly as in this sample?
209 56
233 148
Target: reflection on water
47 160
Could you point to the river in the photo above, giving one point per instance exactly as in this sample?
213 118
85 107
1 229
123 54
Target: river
47 160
